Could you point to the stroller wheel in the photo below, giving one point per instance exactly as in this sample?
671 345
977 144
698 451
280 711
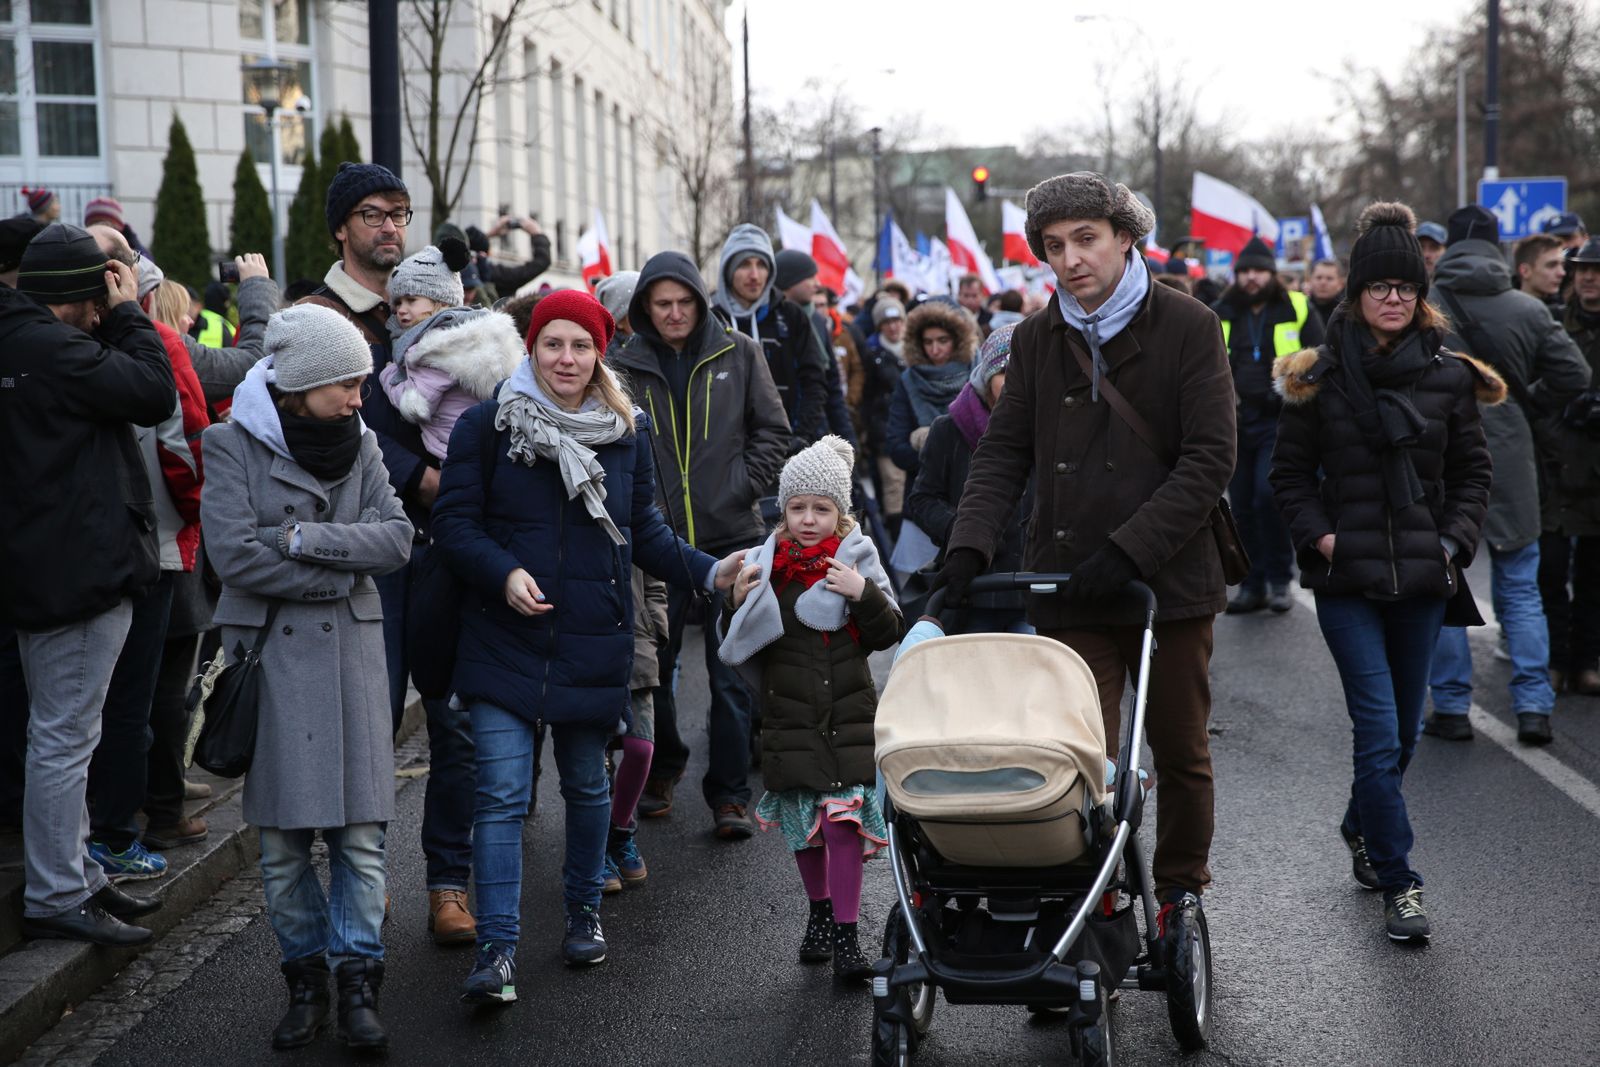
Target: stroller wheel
891 1044
1094 1044
897 947
1188 951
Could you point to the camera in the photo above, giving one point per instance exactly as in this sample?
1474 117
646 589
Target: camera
228 272
302 106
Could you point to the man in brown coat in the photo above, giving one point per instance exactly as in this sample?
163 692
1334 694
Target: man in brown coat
1109 508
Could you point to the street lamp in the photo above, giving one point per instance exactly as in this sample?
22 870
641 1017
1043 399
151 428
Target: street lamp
266 78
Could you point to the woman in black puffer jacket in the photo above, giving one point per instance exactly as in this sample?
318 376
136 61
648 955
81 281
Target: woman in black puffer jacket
1383 476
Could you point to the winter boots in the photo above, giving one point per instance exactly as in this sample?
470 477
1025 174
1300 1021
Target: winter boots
308 1003
359 1026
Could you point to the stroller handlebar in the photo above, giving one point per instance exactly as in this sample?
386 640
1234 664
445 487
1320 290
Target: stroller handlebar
1038 582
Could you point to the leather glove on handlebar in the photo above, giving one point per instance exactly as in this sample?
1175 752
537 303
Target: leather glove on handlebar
961 565
1102 575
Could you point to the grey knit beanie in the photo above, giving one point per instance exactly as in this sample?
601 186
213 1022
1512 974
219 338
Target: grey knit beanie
312 345
822 469
426 274
1083 194
616 293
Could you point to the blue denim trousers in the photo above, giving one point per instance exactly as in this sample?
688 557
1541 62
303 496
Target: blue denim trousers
1261 528
505 745
1383 649
1514 581
447 800
347 921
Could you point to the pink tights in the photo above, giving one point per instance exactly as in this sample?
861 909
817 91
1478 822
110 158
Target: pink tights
834 870
636 754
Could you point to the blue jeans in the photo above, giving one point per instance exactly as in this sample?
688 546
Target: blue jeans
1261 528
728 723
1514 581
447 801
347 923
506 749
1383 649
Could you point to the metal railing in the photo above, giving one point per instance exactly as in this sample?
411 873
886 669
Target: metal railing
74 196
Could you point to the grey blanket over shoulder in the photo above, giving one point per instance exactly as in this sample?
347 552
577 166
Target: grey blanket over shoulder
759 621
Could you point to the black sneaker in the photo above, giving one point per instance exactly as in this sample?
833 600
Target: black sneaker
1360 866
1533 728
1279 599
1403 916
817 945
1246 601
494 976
1447 727
585 942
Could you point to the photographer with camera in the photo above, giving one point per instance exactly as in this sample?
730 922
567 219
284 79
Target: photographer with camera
221 368
504 279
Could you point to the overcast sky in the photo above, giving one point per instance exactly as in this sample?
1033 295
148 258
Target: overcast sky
994 71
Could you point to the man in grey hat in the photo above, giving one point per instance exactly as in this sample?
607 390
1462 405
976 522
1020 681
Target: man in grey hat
1108 507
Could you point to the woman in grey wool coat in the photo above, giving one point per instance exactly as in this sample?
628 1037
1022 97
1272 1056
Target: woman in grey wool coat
299 515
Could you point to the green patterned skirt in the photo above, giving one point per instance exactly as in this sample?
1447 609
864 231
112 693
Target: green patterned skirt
798 813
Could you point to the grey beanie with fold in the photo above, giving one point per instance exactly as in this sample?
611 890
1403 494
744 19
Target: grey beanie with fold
312 345
822 469
427 275
1083 194
615 293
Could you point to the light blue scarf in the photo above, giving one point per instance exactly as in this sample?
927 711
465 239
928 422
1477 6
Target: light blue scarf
1112 317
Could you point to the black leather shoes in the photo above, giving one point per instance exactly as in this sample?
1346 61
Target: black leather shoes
1533 728
1448 727
1246 601
87 922
310 1003
123 905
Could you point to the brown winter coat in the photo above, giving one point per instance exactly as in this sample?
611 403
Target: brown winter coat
649 629
1094 479
818 700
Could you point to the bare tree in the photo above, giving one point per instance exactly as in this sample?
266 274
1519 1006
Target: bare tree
693 133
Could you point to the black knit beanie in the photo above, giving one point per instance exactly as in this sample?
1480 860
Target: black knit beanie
62 265
1472 223
354 182
15 233
1255 256
1387 248
793 267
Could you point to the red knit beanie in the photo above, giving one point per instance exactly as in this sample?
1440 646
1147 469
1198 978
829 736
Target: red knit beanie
577 306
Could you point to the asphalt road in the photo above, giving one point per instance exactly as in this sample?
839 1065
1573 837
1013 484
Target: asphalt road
702 967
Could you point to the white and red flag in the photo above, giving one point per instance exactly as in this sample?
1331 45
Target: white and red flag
833 263
1225 217
594 252
791 234
965 251
1014 235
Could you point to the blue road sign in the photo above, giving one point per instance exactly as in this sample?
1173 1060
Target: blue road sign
1523 205
1219 258
1293 230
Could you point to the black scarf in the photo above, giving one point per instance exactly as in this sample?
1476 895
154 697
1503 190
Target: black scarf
324 448
1379 387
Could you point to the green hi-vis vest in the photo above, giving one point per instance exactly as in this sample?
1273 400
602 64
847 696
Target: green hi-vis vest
1285 335
211 329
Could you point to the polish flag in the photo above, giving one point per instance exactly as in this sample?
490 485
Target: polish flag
1156 252
1225 218
965 251
793 235
594 252
1014 230
833 263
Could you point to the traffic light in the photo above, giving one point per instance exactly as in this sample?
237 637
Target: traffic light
980 182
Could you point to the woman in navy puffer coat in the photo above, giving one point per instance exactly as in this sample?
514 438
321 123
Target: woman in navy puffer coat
544 535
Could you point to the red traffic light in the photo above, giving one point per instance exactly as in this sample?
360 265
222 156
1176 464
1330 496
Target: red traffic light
980 174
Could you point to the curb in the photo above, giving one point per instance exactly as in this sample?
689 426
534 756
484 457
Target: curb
41 980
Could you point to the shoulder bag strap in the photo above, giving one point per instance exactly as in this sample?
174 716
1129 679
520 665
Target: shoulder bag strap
1124 410
1479 346
266 627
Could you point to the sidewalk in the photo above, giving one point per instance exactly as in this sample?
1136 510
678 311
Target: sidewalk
41 980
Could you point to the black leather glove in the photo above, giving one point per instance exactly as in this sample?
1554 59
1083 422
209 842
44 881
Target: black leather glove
1102 575
1583 413
961 565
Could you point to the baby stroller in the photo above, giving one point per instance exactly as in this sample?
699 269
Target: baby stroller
1018 874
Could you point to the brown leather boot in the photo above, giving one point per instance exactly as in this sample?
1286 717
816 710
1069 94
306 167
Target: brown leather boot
448 918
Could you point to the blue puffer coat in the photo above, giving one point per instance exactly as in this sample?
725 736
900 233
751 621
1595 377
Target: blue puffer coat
569 665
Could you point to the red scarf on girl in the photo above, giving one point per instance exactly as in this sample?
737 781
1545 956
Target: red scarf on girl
793 562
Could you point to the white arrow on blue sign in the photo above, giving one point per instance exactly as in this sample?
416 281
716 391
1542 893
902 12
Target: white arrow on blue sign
1523 205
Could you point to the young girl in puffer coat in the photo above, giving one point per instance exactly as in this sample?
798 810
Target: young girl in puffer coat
804 615
447 358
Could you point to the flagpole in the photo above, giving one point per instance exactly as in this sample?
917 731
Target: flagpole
877 197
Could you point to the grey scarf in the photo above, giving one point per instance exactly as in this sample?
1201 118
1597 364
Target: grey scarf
539 429
1112 317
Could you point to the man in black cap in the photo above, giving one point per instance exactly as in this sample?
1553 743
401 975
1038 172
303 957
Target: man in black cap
796 279
1569 550
79 363
1513 333
1261 320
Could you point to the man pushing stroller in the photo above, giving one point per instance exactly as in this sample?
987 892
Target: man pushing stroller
1105 386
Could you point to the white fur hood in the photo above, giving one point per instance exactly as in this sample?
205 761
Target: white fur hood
478 351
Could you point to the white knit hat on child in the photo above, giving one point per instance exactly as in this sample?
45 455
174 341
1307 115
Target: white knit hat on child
426 274
822 469
312 345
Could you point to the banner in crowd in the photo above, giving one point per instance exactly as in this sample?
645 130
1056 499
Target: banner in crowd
791 234
1322 245
964 249
1225 217
1014 235
594 252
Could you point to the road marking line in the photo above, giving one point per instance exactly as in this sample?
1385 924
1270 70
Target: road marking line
1579 789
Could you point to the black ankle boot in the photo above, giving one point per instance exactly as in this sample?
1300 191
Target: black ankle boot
359 1025
849 965
308 1002
817 945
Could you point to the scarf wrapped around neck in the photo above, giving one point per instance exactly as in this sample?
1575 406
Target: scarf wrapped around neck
970 415
1111 317
793 562
932 388
540 429
1379 388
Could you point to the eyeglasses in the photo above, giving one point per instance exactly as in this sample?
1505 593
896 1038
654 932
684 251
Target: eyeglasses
373 217
1407 291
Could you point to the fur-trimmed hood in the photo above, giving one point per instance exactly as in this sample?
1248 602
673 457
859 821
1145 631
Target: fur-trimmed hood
479 349
942 316
1298 377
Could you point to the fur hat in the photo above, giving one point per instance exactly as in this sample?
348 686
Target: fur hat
1386 247
1255 255
312 345
821 469
573 305
1083 194
352 183
431 273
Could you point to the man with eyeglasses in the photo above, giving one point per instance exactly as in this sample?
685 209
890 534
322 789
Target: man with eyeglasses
368 210
1514 333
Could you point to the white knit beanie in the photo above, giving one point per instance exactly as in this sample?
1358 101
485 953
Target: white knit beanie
822 469
312 345
426 274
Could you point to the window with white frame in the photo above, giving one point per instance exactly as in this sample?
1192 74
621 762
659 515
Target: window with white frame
281 30
49 82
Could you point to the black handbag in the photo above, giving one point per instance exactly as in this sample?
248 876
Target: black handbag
227 742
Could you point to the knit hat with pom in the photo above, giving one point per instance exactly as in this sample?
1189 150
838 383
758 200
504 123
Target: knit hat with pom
823 469
1387 248
431 274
